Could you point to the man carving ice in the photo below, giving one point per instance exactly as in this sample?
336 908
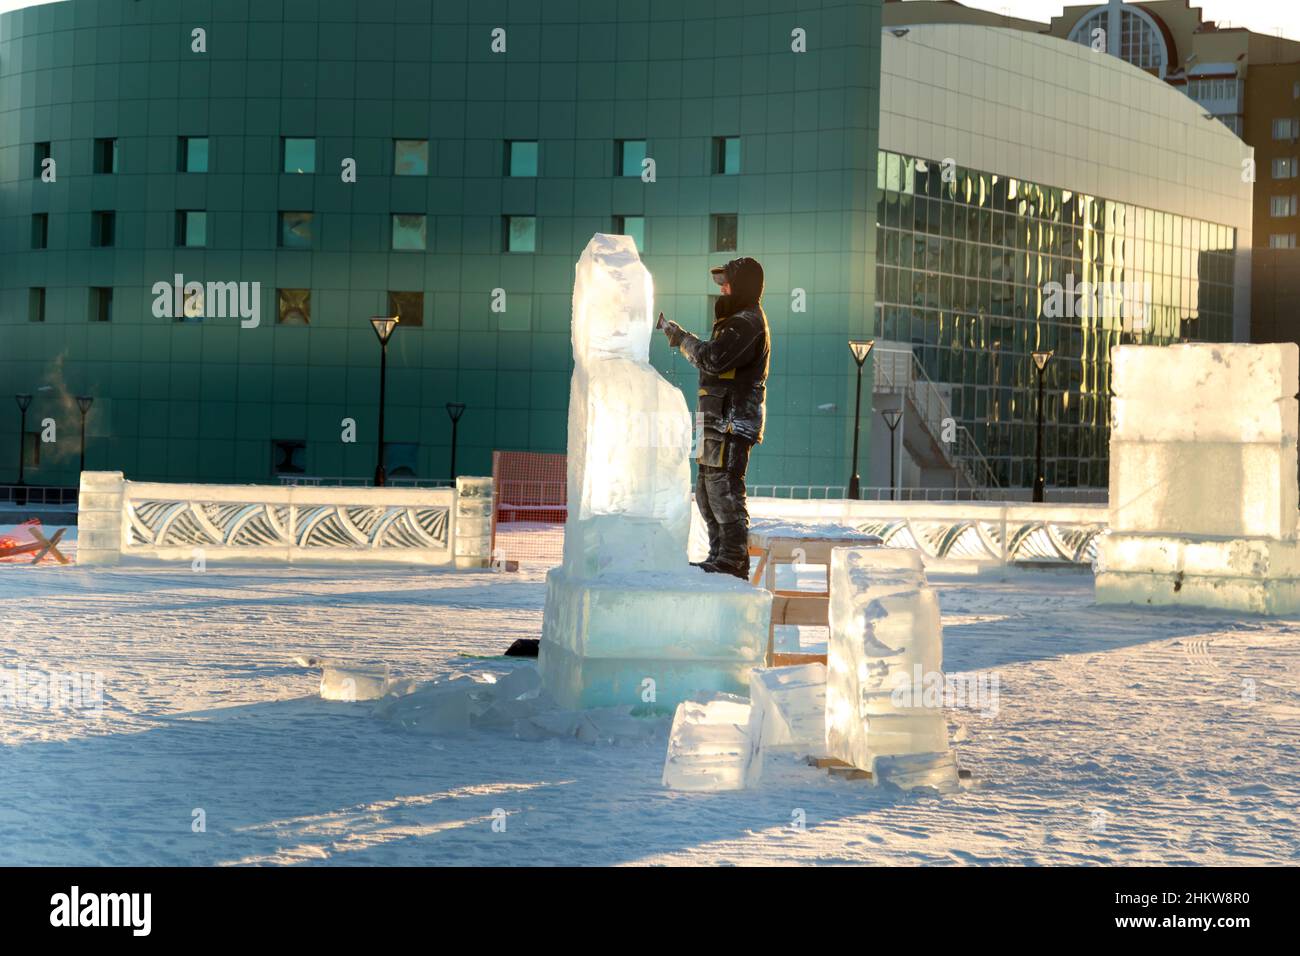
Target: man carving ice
733 367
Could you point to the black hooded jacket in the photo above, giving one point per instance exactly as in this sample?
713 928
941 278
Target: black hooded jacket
733 363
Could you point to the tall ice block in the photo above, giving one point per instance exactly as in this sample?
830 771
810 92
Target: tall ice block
627 620
884 632
1203 482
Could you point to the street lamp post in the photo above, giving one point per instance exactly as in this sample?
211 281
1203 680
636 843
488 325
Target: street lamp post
84 402
23 401
892 418
860 348
1040 479
383 326
454 411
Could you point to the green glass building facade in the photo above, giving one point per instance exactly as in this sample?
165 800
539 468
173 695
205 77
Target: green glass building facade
144 140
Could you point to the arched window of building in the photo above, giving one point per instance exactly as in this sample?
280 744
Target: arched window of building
1140 42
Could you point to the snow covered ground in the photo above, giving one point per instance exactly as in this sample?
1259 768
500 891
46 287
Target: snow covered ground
1121 736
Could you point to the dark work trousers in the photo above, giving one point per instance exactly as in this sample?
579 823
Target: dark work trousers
720 495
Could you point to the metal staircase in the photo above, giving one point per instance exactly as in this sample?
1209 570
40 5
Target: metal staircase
928 416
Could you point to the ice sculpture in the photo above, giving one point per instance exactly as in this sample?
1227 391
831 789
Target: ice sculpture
885 630
629 428
627 620
1203 496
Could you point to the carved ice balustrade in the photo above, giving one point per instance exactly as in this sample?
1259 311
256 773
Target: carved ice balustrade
961 531
151 520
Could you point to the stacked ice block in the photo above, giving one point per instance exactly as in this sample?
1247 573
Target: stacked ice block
1203 497
709 745
787 712
627 621
885 631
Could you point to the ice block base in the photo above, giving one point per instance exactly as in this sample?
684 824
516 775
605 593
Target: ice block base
1271 596
1252 575
649 640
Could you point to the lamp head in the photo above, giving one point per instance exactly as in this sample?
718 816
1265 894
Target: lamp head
892 418
84 402
455 410
23 401
384 326
1041 358
861 348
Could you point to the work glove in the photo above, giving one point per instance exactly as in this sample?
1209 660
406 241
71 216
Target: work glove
674 332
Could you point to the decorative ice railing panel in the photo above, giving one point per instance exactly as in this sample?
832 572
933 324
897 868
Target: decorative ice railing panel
167 522
171 524
961 539
975 532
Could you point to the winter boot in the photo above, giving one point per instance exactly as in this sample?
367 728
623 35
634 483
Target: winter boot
733 551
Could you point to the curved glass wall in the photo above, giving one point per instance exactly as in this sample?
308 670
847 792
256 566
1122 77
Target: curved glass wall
977 270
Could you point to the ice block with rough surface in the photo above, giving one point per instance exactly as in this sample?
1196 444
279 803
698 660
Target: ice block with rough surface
708 747
1203 482
649 640
885 630
354 682
1232 489
1205 392
787 712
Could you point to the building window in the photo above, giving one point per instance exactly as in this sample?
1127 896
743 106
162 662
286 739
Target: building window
410 157
192 228
101 305
1232 121
288 456
103 228
193 154
1279 206
410 232
633 226
106 155
1285 167
1286 129
1280 240
723 232
401 458
726 155
40 153
521 157
41 230
521 233
295 230
1213 89
298 155
294 307
629 157
36 304
407 306
1140 41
